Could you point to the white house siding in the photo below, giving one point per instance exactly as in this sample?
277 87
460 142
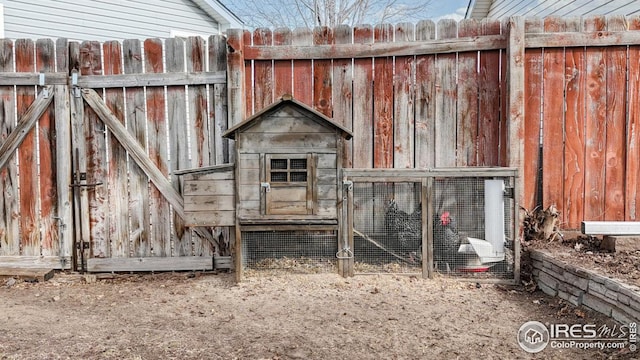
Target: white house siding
562 8
104 19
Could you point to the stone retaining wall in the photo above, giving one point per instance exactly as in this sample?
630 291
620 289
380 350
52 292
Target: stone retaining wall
584 287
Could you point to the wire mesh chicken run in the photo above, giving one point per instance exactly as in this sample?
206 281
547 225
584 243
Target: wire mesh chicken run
291 251
455 222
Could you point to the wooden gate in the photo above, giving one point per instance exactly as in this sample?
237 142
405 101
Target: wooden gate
87 166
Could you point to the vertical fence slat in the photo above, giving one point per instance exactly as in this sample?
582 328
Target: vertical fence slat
489 99
574 148
139 211
343 91
198 118
553 119
79 157
9 207
45 62
467 99
403 108
616 60
28 178
425 99
178 138
236 83
596 104
218 100
262 72
117 192
383 101
632 208
446 99
282 75
302 72
322 82
160 216
63 155
363 102
504 120
94 131
199 125
533 105
219 112
248 77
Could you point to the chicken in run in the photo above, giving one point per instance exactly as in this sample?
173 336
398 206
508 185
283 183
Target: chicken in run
404 230
446 241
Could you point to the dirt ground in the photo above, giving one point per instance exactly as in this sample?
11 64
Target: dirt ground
320 316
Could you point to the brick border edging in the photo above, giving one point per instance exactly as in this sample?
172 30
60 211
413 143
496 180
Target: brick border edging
580 286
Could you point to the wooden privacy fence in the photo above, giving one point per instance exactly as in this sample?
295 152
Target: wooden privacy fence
582 94
111 123
108 138
454 94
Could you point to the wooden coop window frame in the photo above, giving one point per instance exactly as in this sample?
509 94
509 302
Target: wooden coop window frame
311 189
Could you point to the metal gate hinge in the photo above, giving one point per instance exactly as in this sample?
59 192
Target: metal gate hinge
75 89
45 90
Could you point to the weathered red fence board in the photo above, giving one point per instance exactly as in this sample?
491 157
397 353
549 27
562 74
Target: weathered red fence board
282 74
467 112
139 237
574 128
91 64
178 140
263 72
322 81
553 117
200 131
489 98
383 104
362 123
117 190
50 244
425 90
533 103
632 181
158 151
403 104
596 120
342 90
616 60
9 207
28 167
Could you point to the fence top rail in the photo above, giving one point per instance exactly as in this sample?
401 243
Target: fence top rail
416 174
113 81
339 51
443 46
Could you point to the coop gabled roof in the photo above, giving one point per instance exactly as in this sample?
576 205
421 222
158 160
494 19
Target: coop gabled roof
285 100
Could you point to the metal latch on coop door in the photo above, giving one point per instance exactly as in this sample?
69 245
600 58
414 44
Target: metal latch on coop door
266 186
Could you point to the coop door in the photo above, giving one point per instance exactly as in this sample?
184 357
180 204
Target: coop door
290 186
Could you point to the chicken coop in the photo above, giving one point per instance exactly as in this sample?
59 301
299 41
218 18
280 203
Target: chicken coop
281 194
457 222
295 207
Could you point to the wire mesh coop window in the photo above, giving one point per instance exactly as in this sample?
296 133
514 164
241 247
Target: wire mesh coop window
454 222
295 251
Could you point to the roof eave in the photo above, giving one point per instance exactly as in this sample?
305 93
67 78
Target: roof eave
221 14
478 9
231 133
